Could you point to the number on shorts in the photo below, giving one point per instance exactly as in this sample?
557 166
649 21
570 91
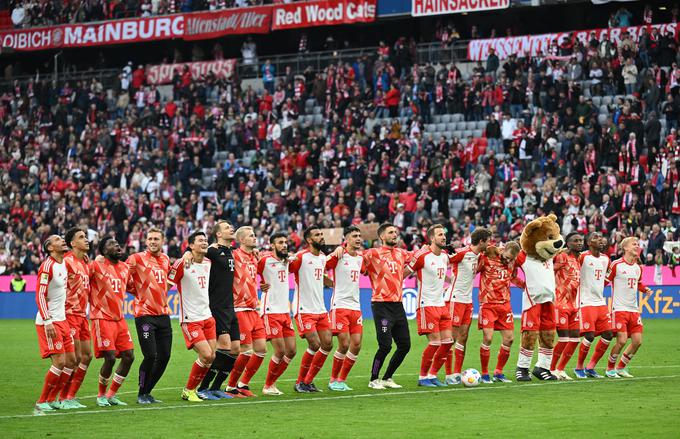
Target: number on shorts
508 318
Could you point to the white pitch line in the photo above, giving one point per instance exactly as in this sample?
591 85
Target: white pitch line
332 398
161 389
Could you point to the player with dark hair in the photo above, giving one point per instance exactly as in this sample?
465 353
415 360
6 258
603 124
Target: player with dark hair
77 293
594 315
459 297
385 268
198 325
567 279
109 279
345 313
430 265
275 310
220 291
53 330
311 317
148 273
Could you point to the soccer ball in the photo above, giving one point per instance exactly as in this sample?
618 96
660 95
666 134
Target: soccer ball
471 378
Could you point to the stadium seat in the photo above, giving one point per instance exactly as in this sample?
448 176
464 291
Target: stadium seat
446 118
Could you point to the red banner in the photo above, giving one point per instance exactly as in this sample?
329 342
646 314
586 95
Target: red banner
204 25
537 45
323 13
162 74
422 8
95 34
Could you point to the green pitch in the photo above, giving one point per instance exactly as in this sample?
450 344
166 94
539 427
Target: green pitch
645 406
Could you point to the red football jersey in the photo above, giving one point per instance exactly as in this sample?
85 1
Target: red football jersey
385 268
245 280
78 285
148 283
108 283
494 279
567 280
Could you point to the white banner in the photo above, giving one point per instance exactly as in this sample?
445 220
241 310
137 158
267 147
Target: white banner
422 8
537 45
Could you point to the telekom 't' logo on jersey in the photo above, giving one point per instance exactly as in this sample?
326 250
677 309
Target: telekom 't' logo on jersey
631 282
251 270
281 275
392 266
201 281
159 275
116 284
598 274
318 272
354 275
441 272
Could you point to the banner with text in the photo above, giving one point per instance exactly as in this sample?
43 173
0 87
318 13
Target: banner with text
663 303
423 8
162 74
205 25
95 34
322 13
537 45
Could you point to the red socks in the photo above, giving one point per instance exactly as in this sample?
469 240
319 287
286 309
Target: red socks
276 369
427 357
51 381
582 353
460 356
240 364
503 355
76 381
625 359
306 362
198 371
557 351
484 355
103 384
350 359
600 349
251 367
117 382
569 350
449 363
63 380
338 360
440 357
317 363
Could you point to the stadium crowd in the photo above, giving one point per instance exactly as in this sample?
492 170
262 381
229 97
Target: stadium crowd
32 13
587 132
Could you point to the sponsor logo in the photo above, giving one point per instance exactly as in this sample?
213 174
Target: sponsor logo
410 302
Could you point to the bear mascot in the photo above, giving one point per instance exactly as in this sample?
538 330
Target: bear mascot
540 242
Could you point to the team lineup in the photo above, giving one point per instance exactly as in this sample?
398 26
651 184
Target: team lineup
228 327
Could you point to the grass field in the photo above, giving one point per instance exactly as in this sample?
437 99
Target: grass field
647 405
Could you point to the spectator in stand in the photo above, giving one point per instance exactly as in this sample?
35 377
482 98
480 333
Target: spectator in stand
268 76
492 63
629 74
